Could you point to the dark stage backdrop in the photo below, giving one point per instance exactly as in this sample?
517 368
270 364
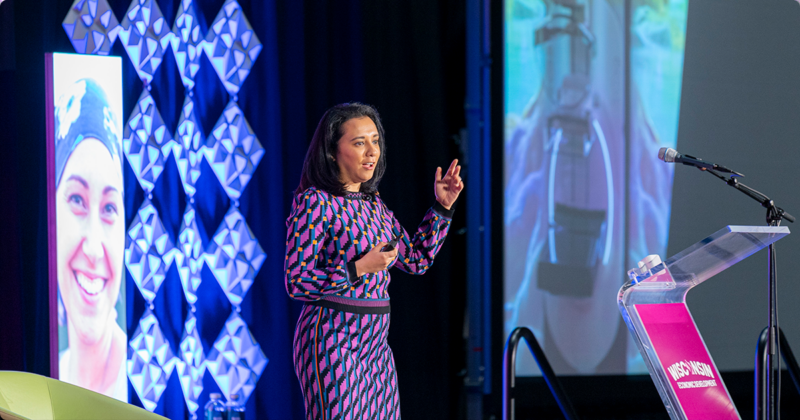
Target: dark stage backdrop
740 108
406 58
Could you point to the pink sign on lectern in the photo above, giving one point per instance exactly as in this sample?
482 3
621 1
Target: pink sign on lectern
686 362
653 305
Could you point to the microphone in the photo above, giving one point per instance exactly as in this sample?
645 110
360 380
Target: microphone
670 155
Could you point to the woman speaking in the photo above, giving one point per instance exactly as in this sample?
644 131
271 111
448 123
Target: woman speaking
341 242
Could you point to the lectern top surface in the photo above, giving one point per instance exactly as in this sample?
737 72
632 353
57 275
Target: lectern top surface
721 250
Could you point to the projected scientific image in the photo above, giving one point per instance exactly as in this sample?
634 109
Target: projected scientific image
90 222
581 201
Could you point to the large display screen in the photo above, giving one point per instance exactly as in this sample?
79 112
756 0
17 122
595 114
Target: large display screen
87 220
592 90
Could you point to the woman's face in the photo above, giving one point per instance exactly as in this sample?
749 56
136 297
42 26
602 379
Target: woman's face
359 150
91 238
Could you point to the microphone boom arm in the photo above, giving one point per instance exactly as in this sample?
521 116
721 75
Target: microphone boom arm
767 390
774 213
705 166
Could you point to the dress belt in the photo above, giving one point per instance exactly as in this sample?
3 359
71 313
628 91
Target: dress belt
352 305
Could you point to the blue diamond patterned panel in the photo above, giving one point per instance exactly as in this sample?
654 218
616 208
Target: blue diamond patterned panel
191 365
142 140
150 360
233 151
149 251
91 27
234 256
145 35
187 146
187 42
232 46
189 258
236 360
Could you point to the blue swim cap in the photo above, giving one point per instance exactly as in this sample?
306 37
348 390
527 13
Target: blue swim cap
83 112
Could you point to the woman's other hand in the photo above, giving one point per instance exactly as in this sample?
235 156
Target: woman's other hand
448 188
375 260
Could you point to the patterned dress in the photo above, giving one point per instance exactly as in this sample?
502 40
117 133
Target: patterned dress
340 340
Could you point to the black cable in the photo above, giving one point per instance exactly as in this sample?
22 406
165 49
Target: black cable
777 332
774 217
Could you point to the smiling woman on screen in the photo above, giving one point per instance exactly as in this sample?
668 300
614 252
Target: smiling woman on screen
90 231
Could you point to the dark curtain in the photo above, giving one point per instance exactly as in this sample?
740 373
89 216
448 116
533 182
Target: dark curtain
414 72
11 305
404 57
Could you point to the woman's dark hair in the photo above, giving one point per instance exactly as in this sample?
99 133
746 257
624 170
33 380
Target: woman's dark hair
319 168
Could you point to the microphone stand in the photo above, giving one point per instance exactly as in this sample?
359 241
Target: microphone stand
767 400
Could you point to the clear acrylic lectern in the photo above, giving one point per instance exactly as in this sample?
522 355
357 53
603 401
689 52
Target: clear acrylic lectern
653 304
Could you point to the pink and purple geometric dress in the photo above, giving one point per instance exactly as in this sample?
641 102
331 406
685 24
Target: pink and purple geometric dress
341 357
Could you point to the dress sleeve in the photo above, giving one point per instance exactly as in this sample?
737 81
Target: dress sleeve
308 278
415 254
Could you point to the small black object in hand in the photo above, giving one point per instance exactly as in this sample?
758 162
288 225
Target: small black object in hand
390 246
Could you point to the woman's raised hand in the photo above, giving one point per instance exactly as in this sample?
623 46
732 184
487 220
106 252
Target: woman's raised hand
375 260
448 188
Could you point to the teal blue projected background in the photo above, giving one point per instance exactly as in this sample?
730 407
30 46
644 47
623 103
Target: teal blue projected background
585 196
